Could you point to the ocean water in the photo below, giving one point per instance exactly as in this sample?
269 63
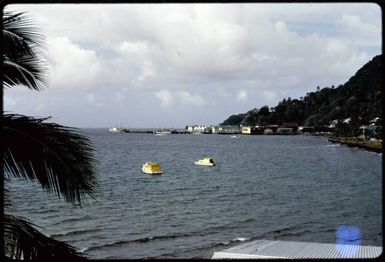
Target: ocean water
297 188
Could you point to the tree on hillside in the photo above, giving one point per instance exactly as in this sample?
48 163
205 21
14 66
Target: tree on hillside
321 107
56 156
264 111
233 120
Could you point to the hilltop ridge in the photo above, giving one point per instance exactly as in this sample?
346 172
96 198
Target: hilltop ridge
360 98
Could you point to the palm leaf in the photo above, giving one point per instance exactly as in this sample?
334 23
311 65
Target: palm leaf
22 71
58 157
6 200
23 242
22 46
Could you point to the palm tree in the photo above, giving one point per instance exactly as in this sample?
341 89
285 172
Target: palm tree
56 156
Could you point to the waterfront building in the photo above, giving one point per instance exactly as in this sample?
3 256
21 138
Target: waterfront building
305 129
272 127
214 129
189 128
198 129
285 131
333 124
252 130
294 126
229 129
247 130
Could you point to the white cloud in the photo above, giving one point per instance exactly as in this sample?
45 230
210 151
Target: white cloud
147 71
203 55
179 98
41 105
188 99
280 26
90 98
119 98
72 66
270 96
165 97
136 48
242 96
356 26
10 102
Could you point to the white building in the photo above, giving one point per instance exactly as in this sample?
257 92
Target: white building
214 129
197 129
228 129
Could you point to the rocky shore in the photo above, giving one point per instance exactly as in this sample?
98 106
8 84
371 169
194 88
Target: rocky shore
368 145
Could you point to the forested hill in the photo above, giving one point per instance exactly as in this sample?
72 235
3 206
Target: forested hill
359 98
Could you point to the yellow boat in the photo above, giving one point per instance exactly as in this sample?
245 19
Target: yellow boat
151 168
207 161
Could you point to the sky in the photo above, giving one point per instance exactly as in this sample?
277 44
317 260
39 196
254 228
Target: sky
172 65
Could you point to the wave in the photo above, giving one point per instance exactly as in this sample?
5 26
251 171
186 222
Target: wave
298 233
74 233
43 211
295 231
139 240
334 145
237 239
196 250
220 228
75 219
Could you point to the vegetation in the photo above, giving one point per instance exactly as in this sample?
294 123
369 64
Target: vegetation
360 99
56 156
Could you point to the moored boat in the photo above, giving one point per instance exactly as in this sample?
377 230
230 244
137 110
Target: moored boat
151 168
118 130
207 161
114 130
162 132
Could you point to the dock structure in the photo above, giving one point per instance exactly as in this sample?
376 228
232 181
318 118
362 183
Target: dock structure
266 249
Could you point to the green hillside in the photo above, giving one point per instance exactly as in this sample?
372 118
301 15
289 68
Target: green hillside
359 98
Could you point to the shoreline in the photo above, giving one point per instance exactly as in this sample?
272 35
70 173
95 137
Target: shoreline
366 146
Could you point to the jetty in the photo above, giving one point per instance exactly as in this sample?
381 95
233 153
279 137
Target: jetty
268 249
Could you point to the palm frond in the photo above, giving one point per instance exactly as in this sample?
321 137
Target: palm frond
22 49
57 156
23 242
22 71
6 199
22 27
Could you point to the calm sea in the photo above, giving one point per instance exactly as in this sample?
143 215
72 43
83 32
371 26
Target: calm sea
297 188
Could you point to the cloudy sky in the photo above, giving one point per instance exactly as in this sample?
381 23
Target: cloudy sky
168 65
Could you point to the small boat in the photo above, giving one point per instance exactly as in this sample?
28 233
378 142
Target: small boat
118 130
234 136
207 161
114 130
162 132
151 168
